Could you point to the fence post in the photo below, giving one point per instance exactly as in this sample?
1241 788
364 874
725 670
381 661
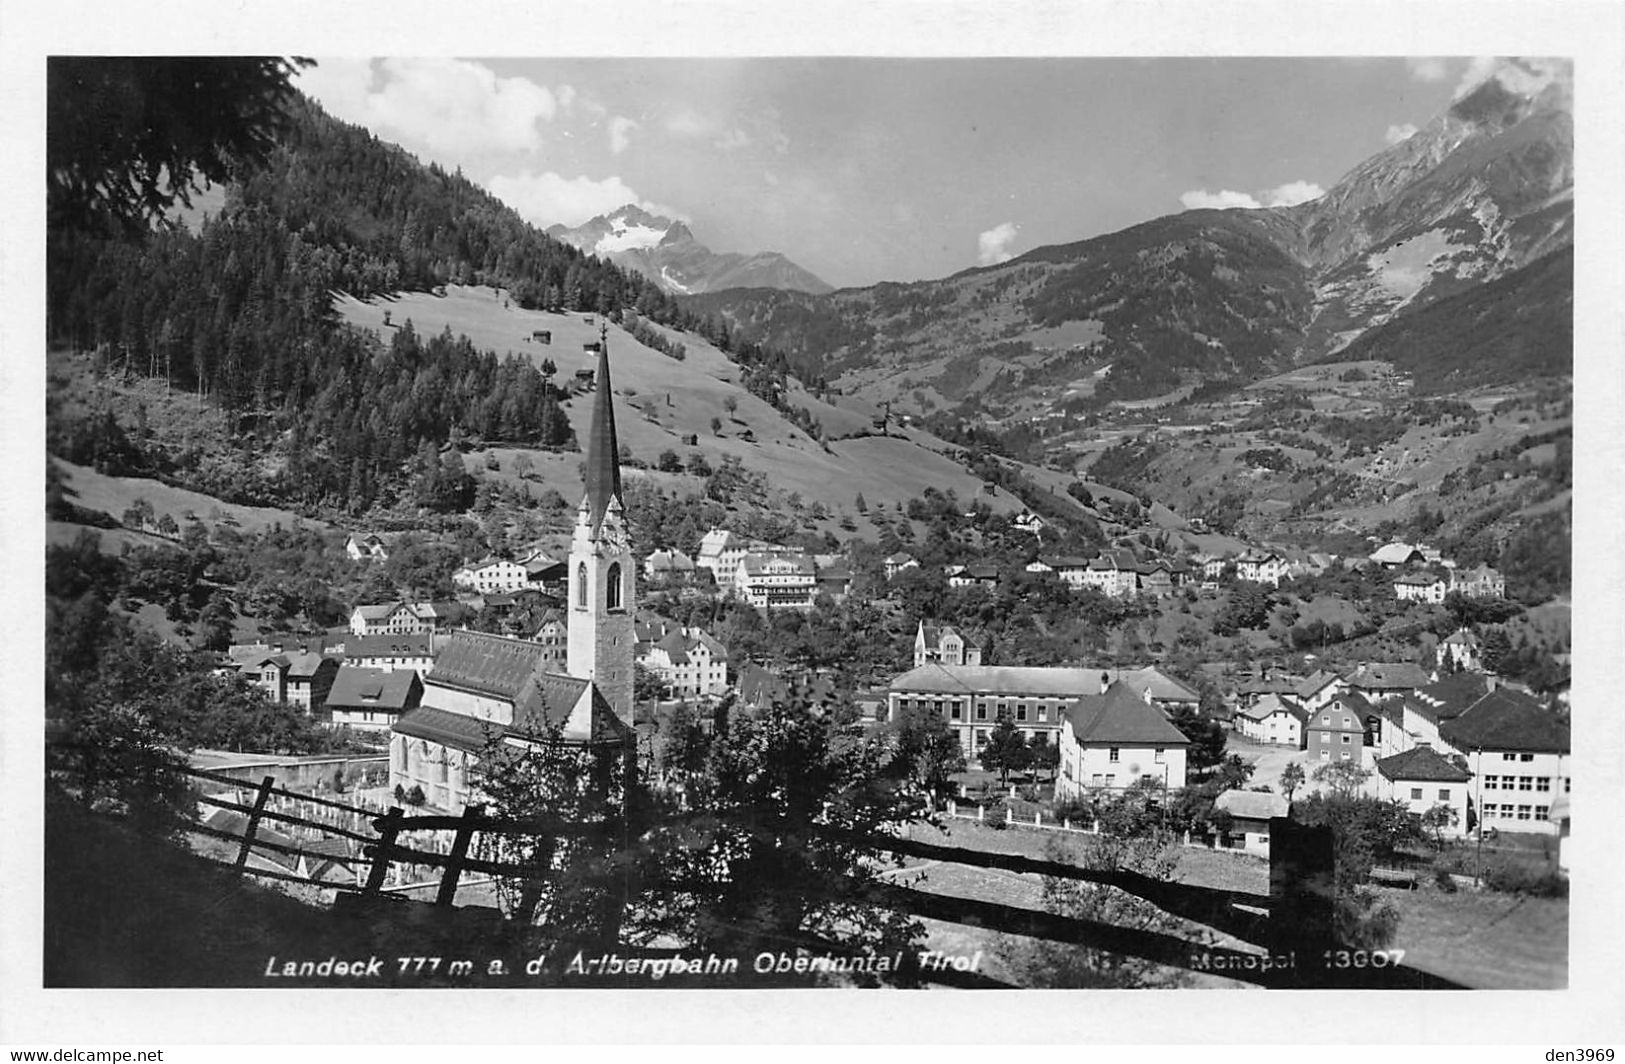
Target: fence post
253 825
981 812
1038 818
388 825
459 850
1066 823
953 808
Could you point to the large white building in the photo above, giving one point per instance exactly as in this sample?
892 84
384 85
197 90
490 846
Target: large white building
1114 740
487 689
689 662
971 698
776 581
492 575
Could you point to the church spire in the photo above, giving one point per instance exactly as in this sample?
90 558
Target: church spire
603 450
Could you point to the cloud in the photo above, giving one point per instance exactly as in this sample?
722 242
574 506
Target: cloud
1478 71
1396 134
548 198
1200 198
1292 193
1428 68
449 106
993 246
620 133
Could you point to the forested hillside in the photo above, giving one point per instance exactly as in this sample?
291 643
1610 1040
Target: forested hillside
240 312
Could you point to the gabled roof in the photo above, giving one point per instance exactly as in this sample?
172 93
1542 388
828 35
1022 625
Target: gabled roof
389 646
1118 559
900 558
1420 580
1449 698
1395 554
1159 685
1462 637
758 563
486 664
669 559
1422 763
1508 720
1317 682
676 647
549 698
1388 676
1270 704
1123 718
1012 680
456 730
1251 805
356 687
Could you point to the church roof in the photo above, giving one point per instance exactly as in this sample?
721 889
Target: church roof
603 450
486 664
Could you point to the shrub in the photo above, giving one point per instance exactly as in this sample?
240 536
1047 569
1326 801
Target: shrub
1515 878
1444 881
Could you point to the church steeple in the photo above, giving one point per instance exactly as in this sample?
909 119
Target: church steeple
603 449
603 574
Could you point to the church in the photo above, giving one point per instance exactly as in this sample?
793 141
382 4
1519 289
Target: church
487 687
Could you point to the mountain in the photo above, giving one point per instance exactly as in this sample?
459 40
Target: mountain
666 252
1480 195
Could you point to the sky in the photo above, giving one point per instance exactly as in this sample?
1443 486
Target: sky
873 169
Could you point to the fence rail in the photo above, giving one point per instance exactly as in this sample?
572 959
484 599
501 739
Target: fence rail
1231 913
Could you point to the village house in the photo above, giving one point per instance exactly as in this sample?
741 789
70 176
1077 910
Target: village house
1269 682
369 546
1397 555
689 663
1274 719
1157 687
545 573
488 688
299 678
1250 815
1482 582
1261 567
1115 740
1379 680
1319 688
1459 650
1114 573
833 574
721 552
972 576
372 699
972 698
1421 587
390 653
553 635
776 581
404 618
1028 522
944 644
896 563
1421 778
760 689
668 567
492 575
1337 731
1070 569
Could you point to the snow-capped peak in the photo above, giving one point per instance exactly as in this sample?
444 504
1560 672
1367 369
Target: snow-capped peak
626 233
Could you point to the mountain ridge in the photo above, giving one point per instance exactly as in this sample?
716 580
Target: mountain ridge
666 251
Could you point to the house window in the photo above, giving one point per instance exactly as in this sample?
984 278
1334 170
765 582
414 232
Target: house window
1112 755
1325 754
1444 794
1509 757
1043 714
1526 757
581 585
1523 812
1159 755
1111 779
1345 741
981 711
1416 794
1491 782
1565 785
1097 780
1345 755
1326 719
1542 812
1543 783
1525 783
1347 722
954 711
981 736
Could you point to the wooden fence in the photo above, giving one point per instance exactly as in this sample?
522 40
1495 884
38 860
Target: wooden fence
443 842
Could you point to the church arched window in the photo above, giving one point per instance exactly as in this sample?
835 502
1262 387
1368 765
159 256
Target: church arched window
581 585
613 597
